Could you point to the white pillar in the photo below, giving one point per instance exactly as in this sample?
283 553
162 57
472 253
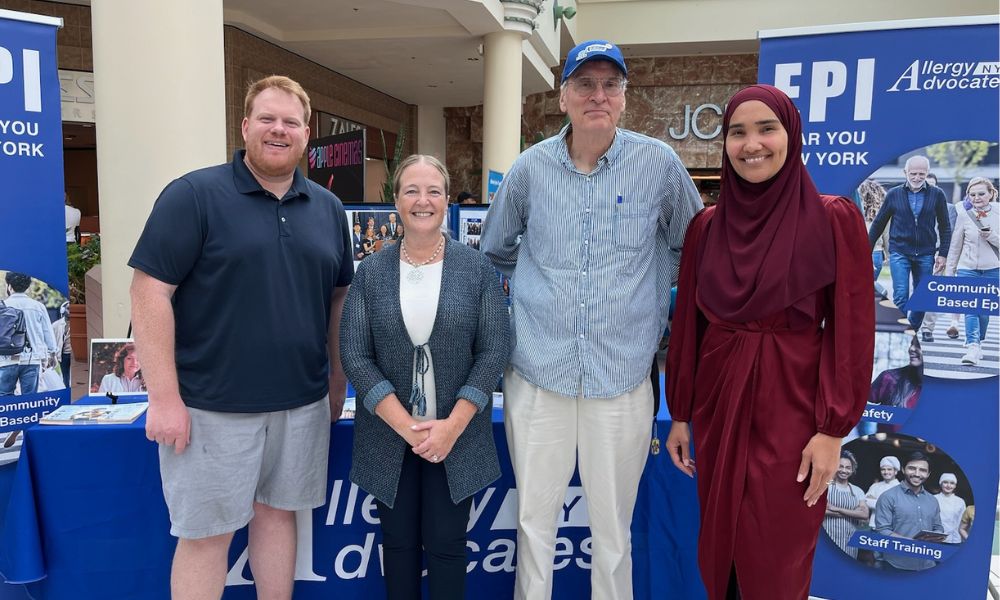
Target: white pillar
159 74
431 132
502 56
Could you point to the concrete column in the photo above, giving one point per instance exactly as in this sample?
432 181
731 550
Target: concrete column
501 102
431 131
160 82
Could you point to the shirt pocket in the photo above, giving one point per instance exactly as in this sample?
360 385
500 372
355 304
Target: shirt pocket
631 227
631 235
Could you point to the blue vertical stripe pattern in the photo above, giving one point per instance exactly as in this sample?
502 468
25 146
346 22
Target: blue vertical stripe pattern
592 258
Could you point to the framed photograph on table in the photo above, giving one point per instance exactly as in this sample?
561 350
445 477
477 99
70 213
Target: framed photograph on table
115 368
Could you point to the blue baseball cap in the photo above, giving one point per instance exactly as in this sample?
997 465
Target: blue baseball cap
593 50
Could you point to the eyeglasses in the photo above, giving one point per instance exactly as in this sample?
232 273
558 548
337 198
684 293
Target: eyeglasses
585 86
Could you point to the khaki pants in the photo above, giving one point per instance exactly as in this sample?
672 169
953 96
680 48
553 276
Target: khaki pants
546 434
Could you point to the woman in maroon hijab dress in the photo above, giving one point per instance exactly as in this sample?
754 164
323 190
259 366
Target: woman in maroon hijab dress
770 354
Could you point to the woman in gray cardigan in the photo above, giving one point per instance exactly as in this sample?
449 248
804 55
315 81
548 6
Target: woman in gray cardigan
424 338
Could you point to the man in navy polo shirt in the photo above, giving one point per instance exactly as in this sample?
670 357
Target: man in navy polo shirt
240 277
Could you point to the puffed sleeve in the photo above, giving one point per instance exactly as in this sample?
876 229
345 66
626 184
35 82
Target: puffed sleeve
849 332
688 325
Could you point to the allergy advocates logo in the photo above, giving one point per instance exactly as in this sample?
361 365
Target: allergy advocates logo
934 75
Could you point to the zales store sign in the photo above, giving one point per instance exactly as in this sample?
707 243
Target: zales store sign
703 121
77 94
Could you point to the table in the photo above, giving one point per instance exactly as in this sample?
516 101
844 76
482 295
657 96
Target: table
86 519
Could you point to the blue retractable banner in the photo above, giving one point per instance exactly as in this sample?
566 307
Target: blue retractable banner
32 226
871 96
32 218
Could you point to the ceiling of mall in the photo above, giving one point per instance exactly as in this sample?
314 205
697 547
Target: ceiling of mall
423 52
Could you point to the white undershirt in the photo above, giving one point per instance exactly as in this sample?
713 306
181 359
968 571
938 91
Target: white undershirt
419 303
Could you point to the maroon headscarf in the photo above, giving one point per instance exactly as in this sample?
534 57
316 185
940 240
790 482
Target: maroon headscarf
769 245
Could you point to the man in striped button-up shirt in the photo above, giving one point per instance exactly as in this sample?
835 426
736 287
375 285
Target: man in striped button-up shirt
589 226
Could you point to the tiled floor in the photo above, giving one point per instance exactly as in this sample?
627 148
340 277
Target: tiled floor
79 374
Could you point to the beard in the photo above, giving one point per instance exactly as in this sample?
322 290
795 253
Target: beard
270 166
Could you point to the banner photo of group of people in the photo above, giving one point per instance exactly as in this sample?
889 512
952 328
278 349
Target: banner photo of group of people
902 118
33 284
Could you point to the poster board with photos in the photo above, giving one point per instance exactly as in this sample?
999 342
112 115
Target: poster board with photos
373 227
872 96
467 229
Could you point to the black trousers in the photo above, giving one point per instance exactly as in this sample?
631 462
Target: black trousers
424 518
64 363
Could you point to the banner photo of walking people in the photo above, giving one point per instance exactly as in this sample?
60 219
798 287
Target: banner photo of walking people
902 117
33 284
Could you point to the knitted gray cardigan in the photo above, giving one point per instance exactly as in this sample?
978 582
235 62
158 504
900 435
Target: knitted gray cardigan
470 345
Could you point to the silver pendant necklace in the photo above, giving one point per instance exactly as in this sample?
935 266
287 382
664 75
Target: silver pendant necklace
416 275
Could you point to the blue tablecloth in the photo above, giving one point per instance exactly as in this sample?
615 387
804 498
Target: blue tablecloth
86 520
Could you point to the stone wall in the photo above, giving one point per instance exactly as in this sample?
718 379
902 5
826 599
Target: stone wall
661 91
249 58
73 40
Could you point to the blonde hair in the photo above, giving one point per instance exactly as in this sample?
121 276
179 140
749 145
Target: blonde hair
872 195
409 161
285 84
982 181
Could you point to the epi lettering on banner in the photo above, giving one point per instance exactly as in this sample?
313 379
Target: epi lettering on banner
30 72
13 131
828 82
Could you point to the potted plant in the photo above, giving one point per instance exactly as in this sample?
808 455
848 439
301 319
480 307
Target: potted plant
79 260
391 163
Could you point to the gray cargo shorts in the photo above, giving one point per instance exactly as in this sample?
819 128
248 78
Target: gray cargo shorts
235 459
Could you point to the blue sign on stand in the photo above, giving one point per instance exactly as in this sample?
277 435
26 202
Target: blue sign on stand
872 95
32 240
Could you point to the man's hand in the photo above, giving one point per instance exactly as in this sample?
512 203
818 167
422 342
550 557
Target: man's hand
338 381
939 262
168 422
679 447
821 454
338 392
336 406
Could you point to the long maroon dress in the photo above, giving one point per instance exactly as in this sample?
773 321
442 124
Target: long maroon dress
755 393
